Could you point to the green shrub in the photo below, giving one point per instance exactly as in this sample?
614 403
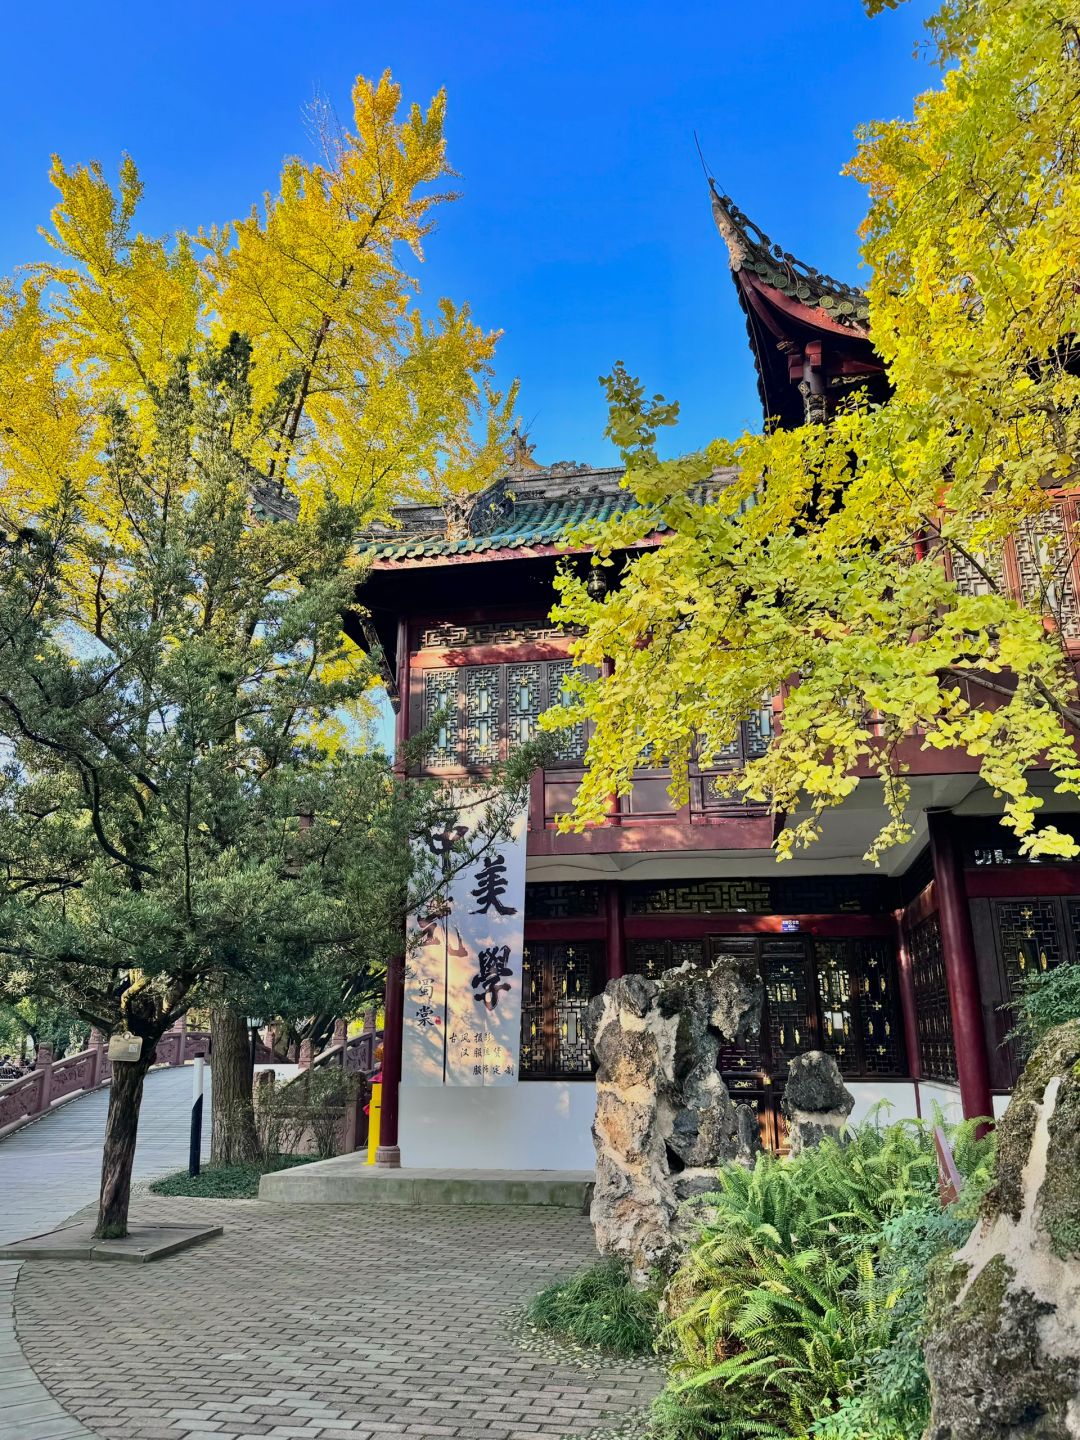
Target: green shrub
599 1307
808 1279
1047 998
225 1182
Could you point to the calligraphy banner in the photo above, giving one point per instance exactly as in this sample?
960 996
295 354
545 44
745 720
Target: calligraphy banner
462 1023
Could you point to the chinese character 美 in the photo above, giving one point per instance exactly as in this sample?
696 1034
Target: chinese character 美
491 883
425 1016
490 980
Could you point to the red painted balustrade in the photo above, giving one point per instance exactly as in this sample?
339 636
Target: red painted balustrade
52 1081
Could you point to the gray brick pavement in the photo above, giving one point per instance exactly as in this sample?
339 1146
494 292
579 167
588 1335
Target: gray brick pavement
320 1323
47 1170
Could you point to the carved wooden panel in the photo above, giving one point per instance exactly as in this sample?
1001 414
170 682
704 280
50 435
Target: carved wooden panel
489 632
820 895
937 1048
562 900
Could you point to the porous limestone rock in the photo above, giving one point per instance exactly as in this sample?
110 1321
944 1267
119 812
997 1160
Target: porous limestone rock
748 1132
738 997
664 1119
816 1101
1003 1348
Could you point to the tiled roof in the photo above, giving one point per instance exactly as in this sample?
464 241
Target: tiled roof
537 522
539 507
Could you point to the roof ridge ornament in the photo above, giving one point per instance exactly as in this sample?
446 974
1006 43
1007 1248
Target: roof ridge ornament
519 457
479 513
751 250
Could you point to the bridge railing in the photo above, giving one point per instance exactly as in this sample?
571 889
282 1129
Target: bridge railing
53 1081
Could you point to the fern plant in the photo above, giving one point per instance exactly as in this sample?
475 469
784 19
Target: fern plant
799 1284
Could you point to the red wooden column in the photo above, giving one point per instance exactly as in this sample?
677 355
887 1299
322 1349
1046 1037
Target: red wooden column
961 972
614 803
616 940
388 1153
908 1005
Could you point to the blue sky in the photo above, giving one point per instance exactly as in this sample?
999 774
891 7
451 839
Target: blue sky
584 230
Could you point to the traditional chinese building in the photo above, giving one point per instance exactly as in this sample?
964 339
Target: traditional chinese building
905 974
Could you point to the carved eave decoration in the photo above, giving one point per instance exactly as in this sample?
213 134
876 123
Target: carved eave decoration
809 333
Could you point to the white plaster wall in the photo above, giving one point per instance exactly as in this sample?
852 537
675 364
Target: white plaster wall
900 1095
947 1096
535 1125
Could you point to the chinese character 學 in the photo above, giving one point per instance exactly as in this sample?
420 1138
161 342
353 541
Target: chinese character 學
490 980
491 885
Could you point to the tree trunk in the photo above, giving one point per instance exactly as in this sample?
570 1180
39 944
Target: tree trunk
234 1137
121 1130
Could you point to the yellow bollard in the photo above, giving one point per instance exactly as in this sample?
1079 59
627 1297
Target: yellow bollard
374 1116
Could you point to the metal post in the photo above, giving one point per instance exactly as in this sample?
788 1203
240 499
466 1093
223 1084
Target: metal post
388 1155
195 1148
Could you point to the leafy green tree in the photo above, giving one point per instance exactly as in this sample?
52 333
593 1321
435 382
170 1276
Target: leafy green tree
40 1023
188 812
179 819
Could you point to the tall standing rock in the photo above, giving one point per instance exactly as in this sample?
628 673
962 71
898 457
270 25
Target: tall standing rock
664 1119
816 1101
633 1201
1003 1350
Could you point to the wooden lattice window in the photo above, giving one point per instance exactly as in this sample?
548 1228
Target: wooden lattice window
441 713
937 1048
1045 557
560 978
860 1025
480 713
652 957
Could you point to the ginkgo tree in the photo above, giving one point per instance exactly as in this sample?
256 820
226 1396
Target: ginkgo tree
817 571
195 432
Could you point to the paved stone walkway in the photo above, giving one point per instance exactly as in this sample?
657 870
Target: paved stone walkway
299 1323
47 1170
324 1322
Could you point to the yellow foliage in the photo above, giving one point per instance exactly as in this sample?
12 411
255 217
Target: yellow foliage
354 393
805 574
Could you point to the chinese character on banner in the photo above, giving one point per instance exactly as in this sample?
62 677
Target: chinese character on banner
464 989
490 980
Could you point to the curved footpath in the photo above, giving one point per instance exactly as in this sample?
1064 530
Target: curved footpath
47 1170
308 1322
